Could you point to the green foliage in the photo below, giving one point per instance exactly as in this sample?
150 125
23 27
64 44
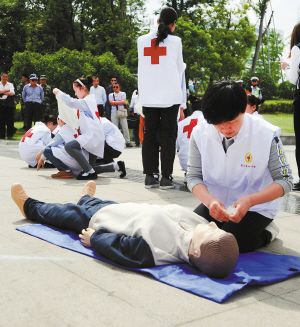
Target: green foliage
12 13
282 120
286 90
64 66
280 105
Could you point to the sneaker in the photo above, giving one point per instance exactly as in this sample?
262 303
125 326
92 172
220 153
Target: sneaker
273 229
296 187
151 181
122 169
89 176
166 183
128 145
63 175
49 165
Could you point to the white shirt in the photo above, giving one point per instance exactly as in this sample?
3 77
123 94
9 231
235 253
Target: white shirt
160 71
167 229
7 87
117 97
292 72
99 93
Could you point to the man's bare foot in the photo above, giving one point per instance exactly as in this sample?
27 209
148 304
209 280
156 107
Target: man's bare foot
19 196
85 236
89 188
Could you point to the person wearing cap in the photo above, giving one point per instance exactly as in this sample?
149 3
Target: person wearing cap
255 89
138 235
49 107
33 96
237 168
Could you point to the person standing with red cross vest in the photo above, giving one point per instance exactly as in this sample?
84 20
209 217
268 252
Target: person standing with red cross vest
160 74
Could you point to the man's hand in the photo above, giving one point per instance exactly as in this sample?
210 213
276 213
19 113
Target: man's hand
38 156
218 211
85 236
241 206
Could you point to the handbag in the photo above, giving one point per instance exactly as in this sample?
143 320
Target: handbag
121 112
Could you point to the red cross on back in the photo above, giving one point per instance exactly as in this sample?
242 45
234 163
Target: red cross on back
155 52
189 128
27 134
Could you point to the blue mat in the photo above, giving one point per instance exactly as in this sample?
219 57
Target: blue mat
257 268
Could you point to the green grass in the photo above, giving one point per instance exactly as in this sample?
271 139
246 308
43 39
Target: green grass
284 121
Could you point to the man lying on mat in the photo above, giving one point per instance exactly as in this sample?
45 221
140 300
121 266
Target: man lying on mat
138 234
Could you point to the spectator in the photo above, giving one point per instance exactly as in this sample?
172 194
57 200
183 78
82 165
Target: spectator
255 89
117 100
7 107
33 97
135 113
109 90
19 89
49 108
100 95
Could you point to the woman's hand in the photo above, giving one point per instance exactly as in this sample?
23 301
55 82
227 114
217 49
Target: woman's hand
40 164
218 211
241 207
55 91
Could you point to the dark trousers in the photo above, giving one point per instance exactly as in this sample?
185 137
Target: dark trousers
6 121
297 130
125 250
110 153
55 161
33 112
101 110
160 130
250 232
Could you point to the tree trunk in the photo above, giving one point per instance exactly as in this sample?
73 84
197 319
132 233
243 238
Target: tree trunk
262 12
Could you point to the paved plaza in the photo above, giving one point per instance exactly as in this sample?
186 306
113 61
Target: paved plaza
44 285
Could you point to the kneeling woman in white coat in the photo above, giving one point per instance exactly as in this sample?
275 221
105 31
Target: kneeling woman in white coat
91 136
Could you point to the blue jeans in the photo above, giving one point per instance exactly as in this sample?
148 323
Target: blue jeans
56 162
74 217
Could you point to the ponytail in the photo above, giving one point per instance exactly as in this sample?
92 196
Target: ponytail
167 16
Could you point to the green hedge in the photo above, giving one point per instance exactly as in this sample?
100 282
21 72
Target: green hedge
64 66
280 105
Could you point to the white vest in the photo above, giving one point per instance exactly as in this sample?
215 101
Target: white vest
241 171
113 137
34 141
185 128
91 129
160 71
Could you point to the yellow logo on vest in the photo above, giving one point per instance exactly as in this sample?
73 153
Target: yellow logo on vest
248 157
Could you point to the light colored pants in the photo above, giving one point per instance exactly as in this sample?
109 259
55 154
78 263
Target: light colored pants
123 123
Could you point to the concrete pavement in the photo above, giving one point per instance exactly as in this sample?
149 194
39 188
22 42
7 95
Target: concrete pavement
44 285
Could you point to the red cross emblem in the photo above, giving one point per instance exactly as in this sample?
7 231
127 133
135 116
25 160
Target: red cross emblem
155 52
97 114
189 128
27 134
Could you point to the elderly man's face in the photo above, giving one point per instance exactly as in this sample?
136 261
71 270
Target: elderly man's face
33 82
43 81
4 78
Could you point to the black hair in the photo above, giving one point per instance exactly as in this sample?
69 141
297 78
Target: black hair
50 119
4 73
86 81
167 16
196 103
253 101
223 102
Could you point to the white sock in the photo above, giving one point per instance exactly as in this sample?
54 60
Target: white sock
116 166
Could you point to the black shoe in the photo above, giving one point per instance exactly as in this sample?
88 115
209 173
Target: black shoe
122 169
87 177
151 181
166 183
48 165
128 145
296 187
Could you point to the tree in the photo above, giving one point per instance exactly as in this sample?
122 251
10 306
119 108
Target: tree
261 9
12 35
